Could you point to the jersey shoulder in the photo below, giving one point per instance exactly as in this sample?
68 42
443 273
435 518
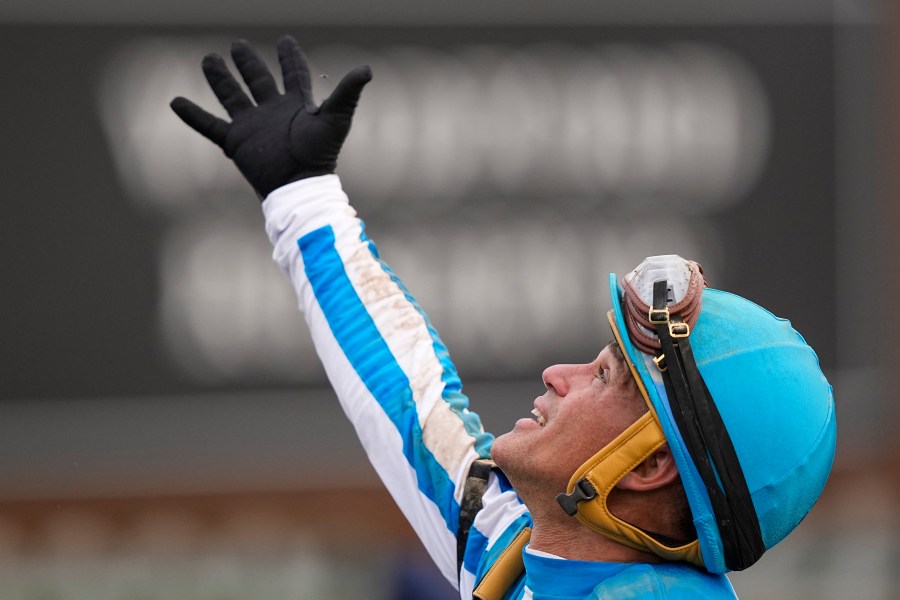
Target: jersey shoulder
670 581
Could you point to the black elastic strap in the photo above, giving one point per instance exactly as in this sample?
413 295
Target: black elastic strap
709 444
476 484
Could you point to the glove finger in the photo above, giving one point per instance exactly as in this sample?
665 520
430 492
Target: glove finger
209 126
254 71
224 85
345 97
295 68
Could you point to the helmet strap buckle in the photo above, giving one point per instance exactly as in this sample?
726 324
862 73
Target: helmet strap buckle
583 491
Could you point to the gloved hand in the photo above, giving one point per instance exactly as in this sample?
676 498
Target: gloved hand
284 137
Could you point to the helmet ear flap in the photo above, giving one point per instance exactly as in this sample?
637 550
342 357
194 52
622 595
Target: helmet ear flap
589 488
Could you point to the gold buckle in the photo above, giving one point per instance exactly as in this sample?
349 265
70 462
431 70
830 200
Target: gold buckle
658 361
659 311
679 329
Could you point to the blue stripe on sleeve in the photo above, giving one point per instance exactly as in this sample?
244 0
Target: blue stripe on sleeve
475 547
452 393
370 356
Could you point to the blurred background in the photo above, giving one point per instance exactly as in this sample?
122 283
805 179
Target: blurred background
166 430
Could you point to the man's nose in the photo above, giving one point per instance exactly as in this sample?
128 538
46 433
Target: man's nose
556 379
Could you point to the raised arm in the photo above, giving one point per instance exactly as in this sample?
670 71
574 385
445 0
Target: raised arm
389 368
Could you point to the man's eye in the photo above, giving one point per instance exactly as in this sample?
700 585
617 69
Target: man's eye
602 376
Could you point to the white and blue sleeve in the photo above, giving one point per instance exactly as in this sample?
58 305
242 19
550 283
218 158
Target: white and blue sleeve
390 370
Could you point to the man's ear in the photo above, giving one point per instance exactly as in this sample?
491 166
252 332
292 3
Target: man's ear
657 470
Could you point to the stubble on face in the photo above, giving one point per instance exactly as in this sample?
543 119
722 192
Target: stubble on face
585 407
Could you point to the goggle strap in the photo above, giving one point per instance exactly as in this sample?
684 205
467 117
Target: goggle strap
708 443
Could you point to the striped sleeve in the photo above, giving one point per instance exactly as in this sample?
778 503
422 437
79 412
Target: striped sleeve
390 370
501 519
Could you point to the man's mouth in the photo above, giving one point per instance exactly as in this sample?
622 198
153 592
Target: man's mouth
541 420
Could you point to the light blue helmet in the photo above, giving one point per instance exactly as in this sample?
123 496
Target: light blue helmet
763 378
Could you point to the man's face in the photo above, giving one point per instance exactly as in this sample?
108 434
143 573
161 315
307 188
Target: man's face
584 408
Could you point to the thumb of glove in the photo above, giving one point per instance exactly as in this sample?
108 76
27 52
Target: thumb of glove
317 135
343 100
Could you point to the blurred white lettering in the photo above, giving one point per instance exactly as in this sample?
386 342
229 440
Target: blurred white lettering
685 124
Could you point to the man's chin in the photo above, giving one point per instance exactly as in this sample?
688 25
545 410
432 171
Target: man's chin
504 449
513 453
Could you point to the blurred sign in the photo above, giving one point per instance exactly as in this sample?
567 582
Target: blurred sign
544 128
503 172
686 123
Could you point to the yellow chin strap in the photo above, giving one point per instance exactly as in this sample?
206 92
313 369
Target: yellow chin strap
606 468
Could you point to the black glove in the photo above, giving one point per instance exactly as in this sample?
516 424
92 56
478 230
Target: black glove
284 137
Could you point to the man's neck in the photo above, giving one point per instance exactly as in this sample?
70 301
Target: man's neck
585 545
557 533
